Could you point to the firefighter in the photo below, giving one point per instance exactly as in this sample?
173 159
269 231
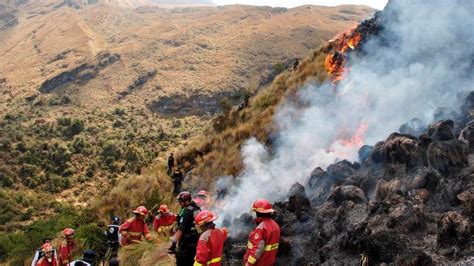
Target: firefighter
39 252
202 200
211 242
263 241
170 164
49 258
186 237
133 229
113 236
177 181
67 248
165 218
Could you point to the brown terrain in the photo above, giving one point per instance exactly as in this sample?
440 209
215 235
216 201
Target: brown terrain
106 55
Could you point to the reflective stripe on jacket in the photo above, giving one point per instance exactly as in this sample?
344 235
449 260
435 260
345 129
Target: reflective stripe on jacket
210 247
263 242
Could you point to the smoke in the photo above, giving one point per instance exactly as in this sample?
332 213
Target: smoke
420 61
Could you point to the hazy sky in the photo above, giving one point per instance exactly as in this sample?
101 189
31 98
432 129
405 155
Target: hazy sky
379 4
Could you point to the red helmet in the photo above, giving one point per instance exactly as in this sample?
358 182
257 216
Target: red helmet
262 206
205 217
47 248
141 210
163 208
68 231
202 193
184 196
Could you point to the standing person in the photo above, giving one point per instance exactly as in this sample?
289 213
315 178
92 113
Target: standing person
39 252
134 228
211 242
177 180
165 218
88 259
186 237
49 259
113 236
263 241
67 248
202 200
170 164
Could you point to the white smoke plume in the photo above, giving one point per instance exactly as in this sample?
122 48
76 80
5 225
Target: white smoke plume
421 60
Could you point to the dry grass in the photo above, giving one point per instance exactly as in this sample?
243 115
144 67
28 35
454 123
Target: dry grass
221 150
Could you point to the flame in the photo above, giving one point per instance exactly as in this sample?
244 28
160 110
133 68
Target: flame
335 63
357 140
349 141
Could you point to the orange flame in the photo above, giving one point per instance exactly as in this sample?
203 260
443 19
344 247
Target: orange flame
357 140
335 63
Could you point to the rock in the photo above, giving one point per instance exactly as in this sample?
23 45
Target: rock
364 153
296 190
397 149
347 193
377 155
320 184
446 156
453 229
414 257
317 174
340 170
442 131
298 203
467 198
414 127
426 178
386 189
467 135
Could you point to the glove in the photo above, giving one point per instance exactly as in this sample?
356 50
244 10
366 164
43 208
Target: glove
172 249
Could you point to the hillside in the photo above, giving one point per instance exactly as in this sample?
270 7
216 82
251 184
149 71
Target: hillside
93 94
168 57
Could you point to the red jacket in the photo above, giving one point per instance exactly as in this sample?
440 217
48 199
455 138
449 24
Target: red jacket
210 246
132 230
66 252
263 242
164 219
44 262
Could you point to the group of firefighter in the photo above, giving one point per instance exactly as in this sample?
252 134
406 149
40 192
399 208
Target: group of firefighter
195 239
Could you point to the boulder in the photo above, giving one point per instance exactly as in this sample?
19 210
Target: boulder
446 156
385 189
397 149
425 178
340 170
467 199
347 193
442 130
414 127
467 135
453 229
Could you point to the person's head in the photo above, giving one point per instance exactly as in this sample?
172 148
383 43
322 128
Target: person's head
263 209
184 199
171 154
88 256
205 220
113 262
202 194
47 250
163 209
46 240
69 234
115 220
140 212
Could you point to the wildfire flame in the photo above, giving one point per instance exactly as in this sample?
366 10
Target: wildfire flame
335 63
348 141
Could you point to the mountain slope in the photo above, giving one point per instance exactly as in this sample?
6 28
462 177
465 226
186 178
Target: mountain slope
238 44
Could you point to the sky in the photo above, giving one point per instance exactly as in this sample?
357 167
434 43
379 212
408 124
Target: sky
378 4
